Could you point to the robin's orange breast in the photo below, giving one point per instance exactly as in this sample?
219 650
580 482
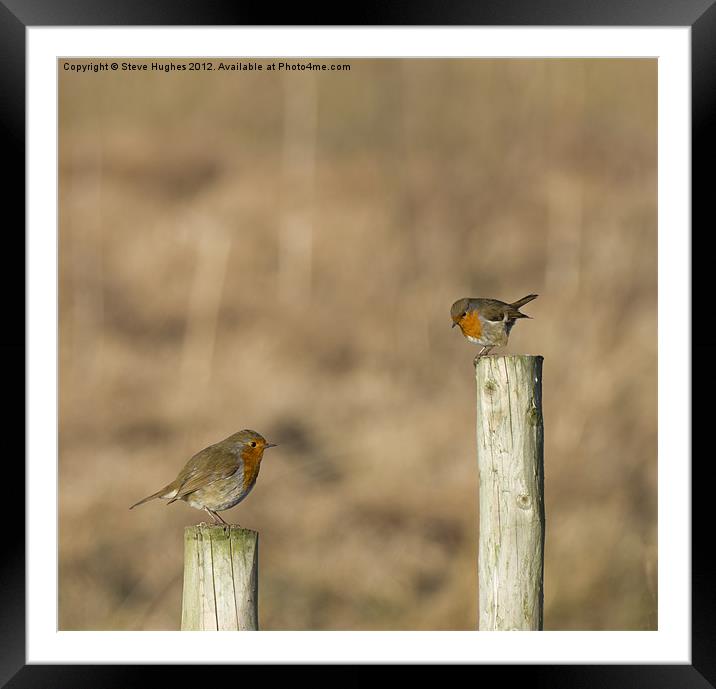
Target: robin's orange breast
470 325
252 464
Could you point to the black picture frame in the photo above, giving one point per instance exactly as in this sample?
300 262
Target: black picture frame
16 15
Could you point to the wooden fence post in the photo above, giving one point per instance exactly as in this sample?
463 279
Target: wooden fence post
510 459
220 579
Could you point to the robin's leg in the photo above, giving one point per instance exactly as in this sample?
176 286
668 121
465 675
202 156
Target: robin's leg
215 517
220 518
479 354
483 352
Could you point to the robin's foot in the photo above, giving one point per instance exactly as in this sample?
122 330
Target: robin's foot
223 522
479 354
483 352
228 526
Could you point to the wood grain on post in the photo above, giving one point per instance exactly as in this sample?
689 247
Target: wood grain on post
510 459
220 579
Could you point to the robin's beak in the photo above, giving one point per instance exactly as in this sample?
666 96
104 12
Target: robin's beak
453 324
270 445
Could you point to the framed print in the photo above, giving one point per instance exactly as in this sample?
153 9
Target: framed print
241 235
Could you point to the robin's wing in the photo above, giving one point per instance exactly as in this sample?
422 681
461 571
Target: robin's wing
496 310
204 468
493 309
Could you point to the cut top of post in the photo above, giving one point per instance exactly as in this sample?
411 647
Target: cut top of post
218 531
508 358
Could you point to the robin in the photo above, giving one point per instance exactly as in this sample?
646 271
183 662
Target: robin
487 322
218 477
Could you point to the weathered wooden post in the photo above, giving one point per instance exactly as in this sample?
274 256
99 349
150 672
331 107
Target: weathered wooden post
220 579
510 460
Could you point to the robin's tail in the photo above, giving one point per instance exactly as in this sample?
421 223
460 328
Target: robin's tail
521 302
163 493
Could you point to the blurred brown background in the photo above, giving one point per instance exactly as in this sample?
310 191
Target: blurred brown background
280 252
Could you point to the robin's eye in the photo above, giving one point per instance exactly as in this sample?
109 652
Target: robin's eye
464 314
253 443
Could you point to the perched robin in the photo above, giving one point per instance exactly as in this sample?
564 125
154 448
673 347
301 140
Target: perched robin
487 322
218 477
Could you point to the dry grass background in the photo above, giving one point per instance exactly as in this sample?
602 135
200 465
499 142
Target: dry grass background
280 252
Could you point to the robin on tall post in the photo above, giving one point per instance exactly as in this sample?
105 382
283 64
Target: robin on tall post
487 322
218 477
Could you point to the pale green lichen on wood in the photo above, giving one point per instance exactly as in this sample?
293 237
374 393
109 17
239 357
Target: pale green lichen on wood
534 416
490 386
